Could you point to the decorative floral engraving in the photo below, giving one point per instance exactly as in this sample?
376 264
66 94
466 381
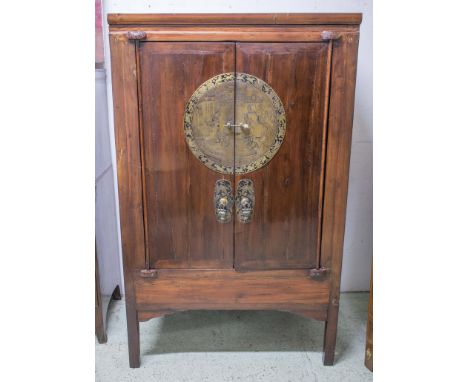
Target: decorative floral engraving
210 110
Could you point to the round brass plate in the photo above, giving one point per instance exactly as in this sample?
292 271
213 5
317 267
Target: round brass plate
259 117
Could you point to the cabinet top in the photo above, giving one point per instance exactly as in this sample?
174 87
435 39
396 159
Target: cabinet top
235 18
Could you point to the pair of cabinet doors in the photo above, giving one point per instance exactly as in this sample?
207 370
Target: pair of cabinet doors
233 146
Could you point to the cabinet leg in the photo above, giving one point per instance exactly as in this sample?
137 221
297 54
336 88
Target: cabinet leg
99 326
116 293
329 341
133 331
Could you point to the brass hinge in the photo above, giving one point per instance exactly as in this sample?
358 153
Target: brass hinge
136 35
149 273
319 274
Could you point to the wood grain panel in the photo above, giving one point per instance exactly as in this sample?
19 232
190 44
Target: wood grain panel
128 151
284 229
226 33
235 18
182 229
340 123
228 289
129 173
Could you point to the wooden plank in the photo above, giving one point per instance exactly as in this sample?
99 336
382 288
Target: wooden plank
124 85
124 89
226 33
227 289
340 125
236 18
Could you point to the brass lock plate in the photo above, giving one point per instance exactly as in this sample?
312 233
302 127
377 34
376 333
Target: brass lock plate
223 201
245 200
258 131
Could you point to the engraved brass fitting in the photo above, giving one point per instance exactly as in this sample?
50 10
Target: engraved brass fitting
223 201
245 200
234 109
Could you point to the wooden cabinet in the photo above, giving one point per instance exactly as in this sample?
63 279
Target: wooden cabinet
233 140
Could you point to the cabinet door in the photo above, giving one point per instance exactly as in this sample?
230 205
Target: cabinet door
284 230
179 185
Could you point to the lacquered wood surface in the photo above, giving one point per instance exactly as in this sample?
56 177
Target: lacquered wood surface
284 229
293 33
228 289
182 229
129 173
340 123
235 18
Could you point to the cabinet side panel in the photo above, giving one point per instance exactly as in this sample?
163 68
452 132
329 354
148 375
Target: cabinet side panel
343 79
340 125
124 89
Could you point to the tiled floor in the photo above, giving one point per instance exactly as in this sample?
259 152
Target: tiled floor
252 346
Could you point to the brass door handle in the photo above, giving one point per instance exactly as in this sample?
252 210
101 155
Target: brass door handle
245 200
223 201
237 129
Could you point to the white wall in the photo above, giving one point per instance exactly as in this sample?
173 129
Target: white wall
106 222
358 239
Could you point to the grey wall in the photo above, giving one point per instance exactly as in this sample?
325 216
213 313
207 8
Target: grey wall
358 238
107 228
